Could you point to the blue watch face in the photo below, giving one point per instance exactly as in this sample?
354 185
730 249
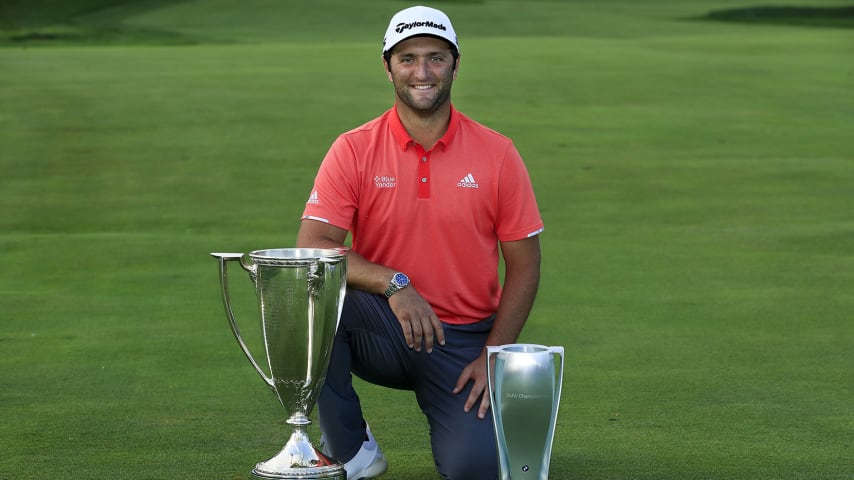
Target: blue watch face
401 279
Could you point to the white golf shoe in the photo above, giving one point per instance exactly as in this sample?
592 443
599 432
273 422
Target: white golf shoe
369 461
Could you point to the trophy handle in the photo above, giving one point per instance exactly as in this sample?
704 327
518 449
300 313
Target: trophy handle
224 258
557 352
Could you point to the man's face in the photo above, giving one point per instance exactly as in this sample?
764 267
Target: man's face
422 70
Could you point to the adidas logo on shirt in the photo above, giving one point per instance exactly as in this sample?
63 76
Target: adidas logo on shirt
313 198
468 182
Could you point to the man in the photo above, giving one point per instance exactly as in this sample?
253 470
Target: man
428 196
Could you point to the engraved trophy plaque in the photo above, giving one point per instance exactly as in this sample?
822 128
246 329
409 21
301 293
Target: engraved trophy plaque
524 387
300 295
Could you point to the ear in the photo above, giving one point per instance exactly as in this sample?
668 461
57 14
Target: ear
456 68
387 69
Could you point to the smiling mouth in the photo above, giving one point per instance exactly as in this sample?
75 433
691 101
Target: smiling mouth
422 87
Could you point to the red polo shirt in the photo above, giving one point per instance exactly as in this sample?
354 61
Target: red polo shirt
435 215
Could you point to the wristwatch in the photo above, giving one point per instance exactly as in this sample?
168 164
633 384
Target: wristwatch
398 281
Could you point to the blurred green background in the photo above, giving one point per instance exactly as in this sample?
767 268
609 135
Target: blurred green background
693 162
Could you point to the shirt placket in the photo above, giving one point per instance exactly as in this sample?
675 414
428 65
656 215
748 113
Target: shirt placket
423 172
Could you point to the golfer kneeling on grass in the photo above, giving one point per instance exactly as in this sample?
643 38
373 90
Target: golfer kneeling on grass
430 198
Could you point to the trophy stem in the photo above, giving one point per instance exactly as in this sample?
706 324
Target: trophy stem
299 421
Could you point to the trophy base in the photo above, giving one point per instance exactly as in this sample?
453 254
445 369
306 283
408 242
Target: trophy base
299 460
301 474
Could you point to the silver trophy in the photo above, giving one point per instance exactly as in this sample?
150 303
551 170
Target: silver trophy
524 388
300 294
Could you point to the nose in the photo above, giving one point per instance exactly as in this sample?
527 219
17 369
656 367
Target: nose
422 69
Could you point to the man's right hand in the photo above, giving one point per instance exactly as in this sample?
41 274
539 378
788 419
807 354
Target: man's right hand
417 319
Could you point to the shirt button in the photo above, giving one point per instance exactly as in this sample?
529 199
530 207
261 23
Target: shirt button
423 179
423 159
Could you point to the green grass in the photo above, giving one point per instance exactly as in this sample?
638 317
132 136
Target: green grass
695 179
835 17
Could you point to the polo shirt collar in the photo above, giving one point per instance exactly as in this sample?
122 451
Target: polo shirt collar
403 139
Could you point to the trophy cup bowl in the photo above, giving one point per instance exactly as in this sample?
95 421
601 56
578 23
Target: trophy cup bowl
524 387
300 295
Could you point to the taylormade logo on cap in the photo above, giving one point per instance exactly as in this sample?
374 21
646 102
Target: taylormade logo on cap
416 21
401 27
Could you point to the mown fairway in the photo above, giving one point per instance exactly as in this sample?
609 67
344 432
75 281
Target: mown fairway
696 179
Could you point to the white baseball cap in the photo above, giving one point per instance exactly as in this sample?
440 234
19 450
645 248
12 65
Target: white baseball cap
419 21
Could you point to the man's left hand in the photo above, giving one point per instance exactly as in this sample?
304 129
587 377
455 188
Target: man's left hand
475 372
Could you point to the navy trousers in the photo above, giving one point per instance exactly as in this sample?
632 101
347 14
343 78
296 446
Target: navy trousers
369 343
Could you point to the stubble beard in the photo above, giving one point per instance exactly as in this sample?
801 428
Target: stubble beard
424 107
